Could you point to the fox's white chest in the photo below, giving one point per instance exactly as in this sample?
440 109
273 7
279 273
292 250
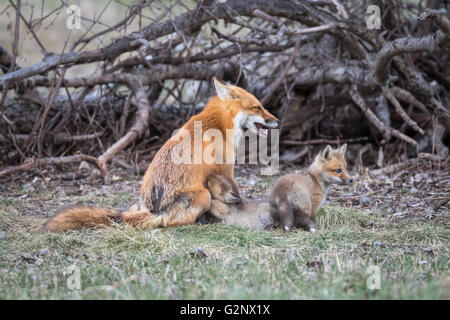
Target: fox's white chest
238 123
324 198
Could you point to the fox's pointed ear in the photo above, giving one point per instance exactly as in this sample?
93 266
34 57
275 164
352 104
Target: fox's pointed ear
223 90
342 149
326 153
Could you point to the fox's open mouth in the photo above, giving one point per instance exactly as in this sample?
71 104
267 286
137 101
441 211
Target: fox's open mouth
263 130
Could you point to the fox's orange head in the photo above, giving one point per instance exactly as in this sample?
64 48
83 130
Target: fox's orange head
332 165
247 111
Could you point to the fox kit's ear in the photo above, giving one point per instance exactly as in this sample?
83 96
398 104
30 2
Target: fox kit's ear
223 90
342 149
326 153
211 179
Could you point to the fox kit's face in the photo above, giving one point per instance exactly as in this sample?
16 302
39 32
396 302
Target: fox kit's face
221 189
334 166
249 112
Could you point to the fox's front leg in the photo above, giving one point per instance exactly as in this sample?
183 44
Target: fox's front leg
200 202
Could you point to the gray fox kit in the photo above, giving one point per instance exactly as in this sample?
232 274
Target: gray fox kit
232 210
293 201
297 197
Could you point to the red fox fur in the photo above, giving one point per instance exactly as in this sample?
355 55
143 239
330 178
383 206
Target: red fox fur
175 194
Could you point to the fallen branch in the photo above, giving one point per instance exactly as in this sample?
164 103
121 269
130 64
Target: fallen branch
138 128
429 43
388 94
283 74
155 75
29 164
386 131
395 167
334 73
58 138
324 141
191 19
407 97
64 138
433 157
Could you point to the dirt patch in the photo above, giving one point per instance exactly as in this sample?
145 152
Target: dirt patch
421 192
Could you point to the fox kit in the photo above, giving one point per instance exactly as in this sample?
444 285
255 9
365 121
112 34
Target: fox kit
297 197
174 193
229 209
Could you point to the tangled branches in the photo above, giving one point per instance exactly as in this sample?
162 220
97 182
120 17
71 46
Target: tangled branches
130 83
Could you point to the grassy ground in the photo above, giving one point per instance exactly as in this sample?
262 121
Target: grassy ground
221 262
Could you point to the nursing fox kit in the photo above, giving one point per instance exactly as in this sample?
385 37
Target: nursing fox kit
229 209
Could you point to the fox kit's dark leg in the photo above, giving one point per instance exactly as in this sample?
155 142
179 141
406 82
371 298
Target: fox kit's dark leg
285 215
205 218
302 220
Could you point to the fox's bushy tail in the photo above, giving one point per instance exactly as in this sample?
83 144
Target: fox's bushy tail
81 217
88 217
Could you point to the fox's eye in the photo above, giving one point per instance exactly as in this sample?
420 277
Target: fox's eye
257 107
338 170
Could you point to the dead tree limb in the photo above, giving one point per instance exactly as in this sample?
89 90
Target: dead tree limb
283 74
135 131
358 99
429 43
32 163
388 94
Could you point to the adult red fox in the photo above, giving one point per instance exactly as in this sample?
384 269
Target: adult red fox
172 193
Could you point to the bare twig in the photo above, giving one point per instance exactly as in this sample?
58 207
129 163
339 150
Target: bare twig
388 94
324 141
406 96
136 130
283 74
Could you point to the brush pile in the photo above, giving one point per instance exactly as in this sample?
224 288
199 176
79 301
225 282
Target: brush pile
323 67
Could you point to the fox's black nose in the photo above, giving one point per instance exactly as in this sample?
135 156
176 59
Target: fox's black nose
350 180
